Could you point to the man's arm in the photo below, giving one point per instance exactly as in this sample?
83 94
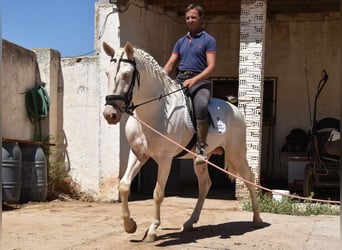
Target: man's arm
170 65
208 71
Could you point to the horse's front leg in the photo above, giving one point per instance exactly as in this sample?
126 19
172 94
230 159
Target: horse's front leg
164 166
133 168
204 184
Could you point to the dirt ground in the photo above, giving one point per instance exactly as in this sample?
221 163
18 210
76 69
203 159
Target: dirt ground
88 225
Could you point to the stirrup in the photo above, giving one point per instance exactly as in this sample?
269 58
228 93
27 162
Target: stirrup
201 157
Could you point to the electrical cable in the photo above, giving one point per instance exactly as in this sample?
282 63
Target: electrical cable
84 54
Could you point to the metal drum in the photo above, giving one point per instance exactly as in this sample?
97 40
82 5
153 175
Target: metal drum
34 176
11 172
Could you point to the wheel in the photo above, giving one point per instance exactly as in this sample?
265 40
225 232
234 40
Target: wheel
308 179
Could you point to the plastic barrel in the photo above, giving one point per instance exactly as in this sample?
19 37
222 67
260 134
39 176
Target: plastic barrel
11 172
34 175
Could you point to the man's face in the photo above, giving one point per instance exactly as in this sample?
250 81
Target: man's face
193 20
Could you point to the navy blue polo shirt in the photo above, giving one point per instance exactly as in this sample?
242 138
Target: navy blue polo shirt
192 51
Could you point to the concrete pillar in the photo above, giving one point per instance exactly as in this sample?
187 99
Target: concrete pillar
49 63
107 28
251 75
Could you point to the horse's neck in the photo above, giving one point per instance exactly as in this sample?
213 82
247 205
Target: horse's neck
149 88
165 100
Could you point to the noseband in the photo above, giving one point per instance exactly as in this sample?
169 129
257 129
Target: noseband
127 98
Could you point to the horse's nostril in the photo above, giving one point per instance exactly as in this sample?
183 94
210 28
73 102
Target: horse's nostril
111 114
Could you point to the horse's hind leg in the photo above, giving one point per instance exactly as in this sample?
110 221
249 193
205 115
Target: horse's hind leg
133 168
204 184
246 173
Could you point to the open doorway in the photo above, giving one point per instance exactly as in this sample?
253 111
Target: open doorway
223 87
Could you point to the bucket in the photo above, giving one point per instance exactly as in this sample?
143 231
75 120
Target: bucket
34 175
277 194
11 172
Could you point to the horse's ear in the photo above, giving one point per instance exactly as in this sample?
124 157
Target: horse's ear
109 50
129 50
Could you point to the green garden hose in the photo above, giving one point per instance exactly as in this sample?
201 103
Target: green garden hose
37 104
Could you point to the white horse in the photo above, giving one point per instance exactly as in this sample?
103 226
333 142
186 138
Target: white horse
135 77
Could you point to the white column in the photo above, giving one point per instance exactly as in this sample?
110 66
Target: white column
107 28
251 76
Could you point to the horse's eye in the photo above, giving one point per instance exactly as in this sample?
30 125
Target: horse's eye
125 75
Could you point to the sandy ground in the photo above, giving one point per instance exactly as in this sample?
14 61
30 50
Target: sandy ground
85 225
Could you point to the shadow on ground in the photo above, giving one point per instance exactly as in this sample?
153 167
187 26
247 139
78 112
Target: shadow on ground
222 231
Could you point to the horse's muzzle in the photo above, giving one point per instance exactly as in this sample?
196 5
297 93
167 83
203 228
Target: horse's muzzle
111 114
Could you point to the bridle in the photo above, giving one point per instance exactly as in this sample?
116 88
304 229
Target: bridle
127 98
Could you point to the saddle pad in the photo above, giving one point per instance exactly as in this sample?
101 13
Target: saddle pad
217 113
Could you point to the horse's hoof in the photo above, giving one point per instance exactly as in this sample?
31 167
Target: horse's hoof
257 222
150 238
187 228
131 226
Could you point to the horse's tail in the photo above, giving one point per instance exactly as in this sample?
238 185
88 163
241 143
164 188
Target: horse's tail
236 147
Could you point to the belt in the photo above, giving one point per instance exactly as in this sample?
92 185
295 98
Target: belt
188 72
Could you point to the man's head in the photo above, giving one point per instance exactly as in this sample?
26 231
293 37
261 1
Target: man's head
193 17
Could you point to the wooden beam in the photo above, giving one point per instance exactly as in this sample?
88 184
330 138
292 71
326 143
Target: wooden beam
38 143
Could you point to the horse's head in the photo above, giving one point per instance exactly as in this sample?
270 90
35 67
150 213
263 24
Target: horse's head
122 74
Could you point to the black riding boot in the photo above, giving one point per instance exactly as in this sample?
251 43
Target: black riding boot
202 131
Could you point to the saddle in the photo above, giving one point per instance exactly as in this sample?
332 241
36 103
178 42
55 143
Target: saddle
217 121
216 118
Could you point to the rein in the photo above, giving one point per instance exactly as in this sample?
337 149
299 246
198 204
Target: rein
133 107
127 98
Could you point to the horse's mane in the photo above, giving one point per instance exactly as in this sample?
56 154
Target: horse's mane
153 67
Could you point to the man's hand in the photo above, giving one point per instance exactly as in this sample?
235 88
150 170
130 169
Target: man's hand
189 83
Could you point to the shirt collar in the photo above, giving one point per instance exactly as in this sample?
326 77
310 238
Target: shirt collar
196 35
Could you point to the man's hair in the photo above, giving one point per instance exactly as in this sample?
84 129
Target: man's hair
194 6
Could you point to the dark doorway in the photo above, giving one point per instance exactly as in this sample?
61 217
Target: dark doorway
223 87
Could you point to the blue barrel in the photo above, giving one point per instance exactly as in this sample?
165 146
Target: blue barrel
34 175
11 172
